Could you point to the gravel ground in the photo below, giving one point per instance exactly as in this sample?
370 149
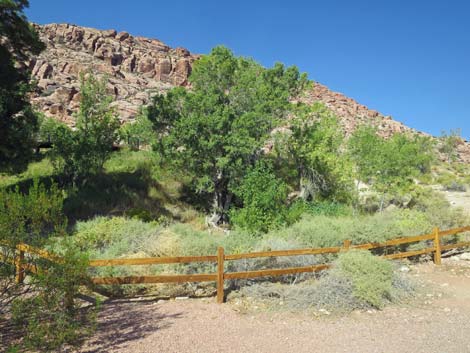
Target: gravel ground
438 323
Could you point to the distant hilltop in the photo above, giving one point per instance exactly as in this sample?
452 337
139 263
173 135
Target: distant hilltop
139 67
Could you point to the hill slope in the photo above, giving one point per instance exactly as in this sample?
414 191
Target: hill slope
138 67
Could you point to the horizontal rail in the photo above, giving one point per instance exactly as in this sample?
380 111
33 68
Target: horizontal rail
462 244
276 272
393 242
206 277
275 253
409 253
454 231
152 261
40 252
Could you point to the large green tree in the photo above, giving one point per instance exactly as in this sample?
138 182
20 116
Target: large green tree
18 41
216 130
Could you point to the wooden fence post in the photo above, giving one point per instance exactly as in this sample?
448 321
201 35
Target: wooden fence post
220 274
437 246
19 266
346 244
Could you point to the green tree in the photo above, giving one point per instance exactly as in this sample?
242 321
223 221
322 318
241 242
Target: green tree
312 149
82 152
215 131
449 143
390 165
18 123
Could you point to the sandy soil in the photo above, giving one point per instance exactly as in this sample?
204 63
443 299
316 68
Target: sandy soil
458 199
438 322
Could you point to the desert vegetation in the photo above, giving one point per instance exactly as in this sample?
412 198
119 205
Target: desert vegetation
236 161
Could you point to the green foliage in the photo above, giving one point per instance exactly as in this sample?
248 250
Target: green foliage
47 128
50 318
390 164
312 151
323 208
83 152
29 218
97 234
216 130
437 210
333 291
138 133
327 231
370 275
18 122
264 201
448 144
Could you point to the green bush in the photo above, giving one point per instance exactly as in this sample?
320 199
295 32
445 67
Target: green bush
138 133
332 290
370 275
26 218
264 201
51 318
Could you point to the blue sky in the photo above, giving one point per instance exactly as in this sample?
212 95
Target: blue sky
408 59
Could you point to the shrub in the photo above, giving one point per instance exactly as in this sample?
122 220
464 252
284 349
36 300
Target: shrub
264 197
370 276
51 318
26 218
456 186
138 133
438 211
331 290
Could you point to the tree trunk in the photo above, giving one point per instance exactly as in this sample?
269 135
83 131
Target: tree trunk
221 203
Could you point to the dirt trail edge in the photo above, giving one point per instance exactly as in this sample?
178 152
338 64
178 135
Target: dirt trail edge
440 323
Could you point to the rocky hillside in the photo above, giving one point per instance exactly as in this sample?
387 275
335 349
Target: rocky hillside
138 67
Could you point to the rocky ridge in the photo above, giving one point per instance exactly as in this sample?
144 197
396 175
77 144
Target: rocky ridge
138 67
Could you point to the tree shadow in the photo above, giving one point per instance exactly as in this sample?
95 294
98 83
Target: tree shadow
201 201
121 322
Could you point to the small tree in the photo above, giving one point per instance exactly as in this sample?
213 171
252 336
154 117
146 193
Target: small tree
449 143
390 165
313 151
215 132
82 152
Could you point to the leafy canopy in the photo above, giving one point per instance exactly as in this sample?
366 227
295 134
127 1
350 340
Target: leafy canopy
312 150
390 164
216 130
17 119
82 152
264 200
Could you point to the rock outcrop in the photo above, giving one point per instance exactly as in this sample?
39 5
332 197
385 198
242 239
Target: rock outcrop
138 67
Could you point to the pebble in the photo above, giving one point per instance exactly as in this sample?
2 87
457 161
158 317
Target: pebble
324 311
404 269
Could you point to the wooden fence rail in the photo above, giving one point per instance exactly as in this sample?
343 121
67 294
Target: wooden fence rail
220 276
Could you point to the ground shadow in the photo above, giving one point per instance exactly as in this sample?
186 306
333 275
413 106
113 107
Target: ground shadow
123 321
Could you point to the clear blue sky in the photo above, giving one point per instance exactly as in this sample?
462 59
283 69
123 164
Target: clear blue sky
408 59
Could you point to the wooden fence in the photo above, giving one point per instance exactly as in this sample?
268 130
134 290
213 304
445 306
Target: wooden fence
220 276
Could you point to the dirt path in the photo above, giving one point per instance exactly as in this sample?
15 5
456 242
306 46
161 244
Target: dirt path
441 324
